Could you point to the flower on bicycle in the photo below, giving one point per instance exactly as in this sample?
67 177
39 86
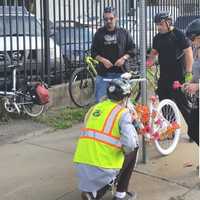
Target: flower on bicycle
143 113
156 136
176 85
153 98
169 133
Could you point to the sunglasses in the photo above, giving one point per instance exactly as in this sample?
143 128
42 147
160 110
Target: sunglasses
106 19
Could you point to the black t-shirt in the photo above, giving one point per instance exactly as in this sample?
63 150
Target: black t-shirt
112 45
170 47
111 49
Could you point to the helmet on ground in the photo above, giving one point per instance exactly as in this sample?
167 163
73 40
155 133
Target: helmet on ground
118 89
193 29
162 16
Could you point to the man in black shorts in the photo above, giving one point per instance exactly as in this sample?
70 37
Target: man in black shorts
175 58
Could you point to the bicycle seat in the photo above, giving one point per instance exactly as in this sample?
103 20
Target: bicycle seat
14 66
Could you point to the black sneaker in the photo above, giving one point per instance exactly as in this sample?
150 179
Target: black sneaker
129 196
89 196
86 196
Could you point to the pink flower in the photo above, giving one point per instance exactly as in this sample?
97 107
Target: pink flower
149 63
176 85
153 98
156 136
158 122
148 129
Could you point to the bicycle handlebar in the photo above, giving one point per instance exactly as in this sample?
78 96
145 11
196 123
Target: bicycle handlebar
15 65
129 77
90 60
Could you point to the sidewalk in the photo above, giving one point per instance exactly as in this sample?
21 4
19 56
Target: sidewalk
40 168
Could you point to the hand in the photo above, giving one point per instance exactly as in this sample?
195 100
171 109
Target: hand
107 63
191 88
120 62
188 77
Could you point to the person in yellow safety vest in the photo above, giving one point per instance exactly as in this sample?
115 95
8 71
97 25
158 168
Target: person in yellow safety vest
106 152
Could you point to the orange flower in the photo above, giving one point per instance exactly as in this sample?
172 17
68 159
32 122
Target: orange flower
143 113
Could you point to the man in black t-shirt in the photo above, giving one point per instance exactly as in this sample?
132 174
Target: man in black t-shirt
175 58
111 46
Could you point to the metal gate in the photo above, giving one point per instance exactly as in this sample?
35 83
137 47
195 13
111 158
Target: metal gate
51 37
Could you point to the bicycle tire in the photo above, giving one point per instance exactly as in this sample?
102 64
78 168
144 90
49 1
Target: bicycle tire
33 110
161 146
30 107
82 87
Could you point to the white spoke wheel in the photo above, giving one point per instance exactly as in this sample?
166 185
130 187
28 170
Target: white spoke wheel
31 108
170 113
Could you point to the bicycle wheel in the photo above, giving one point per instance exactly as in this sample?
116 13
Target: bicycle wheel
82 87
30 107
169 112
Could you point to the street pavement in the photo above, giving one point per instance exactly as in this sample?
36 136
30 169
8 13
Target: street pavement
39 167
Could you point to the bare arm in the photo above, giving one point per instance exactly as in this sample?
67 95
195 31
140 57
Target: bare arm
188 59
105 61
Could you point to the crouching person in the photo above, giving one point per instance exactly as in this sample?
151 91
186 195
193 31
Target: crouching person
107 148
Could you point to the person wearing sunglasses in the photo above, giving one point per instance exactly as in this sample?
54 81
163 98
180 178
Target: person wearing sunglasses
175 58
111 46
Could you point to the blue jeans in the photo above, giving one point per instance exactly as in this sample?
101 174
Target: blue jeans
101 85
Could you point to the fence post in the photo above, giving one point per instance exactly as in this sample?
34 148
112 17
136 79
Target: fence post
46 39
143 65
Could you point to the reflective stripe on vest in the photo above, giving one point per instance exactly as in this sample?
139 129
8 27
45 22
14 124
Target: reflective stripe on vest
98 136
110 120
105 135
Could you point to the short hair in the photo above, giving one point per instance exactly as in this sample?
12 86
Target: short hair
110 9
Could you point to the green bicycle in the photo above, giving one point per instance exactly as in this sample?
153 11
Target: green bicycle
82 83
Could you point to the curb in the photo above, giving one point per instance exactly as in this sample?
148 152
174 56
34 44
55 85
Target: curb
32 134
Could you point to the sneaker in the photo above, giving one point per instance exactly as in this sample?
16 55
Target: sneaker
86 196
89 196
129 196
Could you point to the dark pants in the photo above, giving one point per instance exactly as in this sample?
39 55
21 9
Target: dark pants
126 171
166 91
124 176
194 123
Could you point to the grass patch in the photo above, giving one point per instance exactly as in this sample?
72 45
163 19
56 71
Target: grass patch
63 118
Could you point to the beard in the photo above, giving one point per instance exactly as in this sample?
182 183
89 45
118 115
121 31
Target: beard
110 26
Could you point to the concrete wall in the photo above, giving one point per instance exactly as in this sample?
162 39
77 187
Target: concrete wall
59 96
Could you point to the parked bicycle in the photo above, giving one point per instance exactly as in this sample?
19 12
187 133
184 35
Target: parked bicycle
82 83
160 121
30 98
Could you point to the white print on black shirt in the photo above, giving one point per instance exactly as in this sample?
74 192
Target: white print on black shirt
110 39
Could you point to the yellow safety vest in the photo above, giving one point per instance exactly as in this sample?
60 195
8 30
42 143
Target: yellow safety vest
99 143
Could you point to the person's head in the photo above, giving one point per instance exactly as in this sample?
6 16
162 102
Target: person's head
163 21
110 18
118 90
193 31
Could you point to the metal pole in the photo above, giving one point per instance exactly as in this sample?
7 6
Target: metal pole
46 38
143 65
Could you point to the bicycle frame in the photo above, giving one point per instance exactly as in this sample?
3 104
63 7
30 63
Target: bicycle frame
91 64
14 86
